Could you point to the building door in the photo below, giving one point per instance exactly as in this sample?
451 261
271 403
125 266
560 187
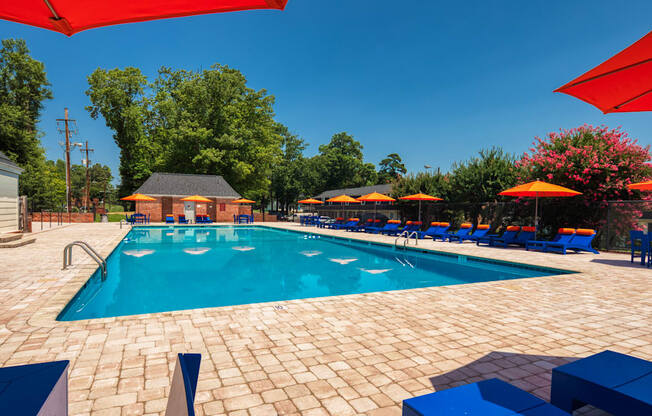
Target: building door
166 207
189 210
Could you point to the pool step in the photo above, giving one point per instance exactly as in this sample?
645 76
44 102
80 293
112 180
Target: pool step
15 240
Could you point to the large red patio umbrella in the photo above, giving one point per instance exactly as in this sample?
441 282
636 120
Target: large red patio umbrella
72 16
621 84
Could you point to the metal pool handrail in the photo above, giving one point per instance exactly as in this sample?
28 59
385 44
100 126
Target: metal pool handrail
67 255
407 235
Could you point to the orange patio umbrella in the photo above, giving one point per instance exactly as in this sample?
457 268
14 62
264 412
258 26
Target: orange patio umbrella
310 201
641 186
342 199
243 201
196 198
138 197
539 189
375 197
420 197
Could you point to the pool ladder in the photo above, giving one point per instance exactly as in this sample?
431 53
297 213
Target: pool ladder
407 235
67 256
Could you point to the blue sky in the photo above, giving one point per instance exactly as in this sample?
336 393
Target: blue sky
433 81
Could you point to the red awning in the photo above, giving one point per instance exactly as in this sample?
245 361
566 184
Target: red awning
72 16
621 84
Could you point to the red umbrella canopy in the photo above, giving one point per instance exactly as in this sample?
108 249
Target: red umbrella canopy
621 84
72 16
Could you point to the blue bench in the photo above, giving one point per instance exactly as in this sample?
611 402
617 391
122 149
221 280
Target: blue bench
614 382
491 397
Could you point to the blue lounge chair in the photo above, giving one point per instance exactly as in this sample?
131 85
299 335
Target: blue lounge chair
616 383
464 229
639 242
351 222
182 219
492 397
361 225
169 219
508 236
564 235
442 233
390 226
580 241
480 231
433 229
526 234
338 221
412 226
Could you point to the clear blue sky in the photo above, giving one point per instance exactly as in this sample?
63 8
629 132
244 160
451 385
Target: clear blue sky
432 81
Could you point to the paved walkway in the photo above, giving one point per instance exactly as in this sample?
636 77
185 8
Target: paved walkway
354 354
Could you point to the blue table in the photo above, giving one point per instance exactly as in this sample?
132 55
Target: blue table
34 389
614 382
491 397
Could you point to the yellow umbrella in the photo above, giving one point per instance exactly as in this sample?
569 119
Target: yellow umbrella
196 198
375 197
138 197
420 197
311 201
343 199
243 201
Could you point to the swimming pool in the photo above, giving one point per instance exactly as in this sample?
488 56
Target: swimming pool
158 269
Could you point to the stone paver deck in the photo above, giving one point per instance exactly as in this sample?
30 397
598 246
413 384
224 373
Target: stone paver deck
344 355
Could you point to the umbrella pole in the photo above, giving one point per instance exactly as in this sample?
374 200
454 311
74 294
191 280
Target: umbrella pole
419 210
536 216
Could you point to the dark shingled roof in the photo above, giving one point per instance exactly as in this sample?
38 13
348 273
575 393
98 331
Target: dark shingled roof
182 184
384 188
6 161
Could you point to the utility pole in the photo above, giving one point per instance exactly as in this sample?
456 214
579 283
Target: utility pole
67 132
87 162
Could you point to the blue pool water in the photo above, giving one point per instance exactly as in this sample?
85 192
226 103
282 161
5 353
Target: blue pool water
157 269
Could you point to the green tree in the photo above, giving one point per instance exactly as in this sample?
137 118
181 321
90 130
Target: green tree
391 168
481 178
340 164
287 180
23 88
189 122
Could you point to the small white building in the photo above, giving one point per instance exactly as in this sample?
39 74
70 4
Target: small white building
9 210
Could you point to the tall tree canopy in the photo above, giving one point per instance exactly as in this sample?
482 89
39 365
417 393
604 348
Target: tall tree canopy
481 178
189 122
391 168
340 164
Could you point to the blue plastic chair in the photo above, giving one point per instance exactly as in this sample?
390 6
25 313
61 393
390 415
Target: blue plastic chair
182 219
361 226
616 383
639 241
492 397
412 226
580 241
350 223
184 385
433 229
169 219
389 227
442 233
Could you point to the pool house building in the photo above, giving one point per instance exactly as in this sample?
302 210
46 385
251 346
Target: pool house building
169 188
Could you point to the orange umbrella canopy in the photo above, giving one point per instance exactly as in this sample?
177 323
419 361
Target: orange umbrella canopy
343 199
641 186
376 197
420 197
138 197
196 198
538 189
243 201
310 201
